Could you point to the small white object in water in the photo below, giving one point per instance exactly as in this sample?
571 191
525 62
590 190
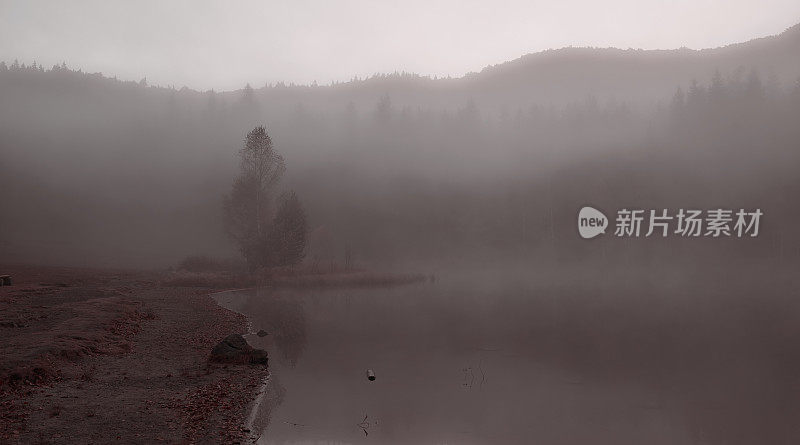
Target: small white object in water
370 374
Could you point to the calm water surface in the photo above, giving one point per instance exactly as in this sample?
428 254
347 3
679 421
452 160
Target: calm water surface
466 364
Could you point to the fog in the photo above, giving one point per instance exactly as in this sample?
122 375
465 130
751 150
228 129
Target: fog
602 355
400 168
209 44
466 184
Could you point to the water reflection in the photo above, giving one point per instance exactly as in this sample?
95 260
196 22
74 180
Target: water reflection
458 364
282 317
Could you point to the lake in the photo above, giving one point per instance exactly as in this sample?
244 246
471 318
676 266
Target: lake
495 361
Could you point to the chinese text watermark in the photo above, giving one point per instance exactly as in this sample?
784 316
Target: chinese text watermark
714 223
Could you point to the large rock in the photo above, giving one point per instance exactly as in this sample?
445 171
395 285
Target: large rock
234 349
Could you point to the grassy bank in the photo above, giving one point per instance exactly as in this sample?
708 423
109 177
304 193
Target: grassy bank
294 277
98 356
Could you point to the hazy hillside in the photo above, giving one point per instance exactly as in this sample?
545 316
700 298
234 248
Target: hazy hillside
561 76
100 171
631 75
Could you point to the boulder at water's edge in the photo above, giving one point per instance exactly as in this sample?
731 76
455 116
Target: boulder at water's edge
234 349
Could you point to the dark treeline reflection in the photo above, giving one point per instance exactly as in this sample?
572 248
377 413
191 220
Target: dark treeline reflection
401 167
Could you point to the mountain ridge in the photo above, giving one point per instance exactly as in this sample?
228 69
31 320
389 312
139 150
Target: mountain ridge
560 77
532 57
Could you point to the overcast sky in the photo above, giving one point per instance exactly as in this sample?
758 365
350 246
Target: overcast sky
225 44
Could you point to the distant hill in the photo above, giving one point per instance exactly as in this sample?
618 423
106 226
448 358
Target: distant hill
630 75
548 78
565 75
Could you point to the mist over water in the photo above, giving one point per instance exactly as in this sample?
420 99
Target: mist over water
562 359
524 331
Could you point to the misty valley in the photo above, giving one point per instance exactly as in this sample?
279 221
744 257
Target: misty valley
408 259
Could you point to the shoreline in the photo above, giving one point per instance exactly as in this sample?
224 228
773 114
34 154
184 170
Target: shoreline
249 423
109 356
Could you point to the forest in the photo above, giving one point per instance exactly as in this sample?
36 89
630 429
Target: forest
399 258
399 168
